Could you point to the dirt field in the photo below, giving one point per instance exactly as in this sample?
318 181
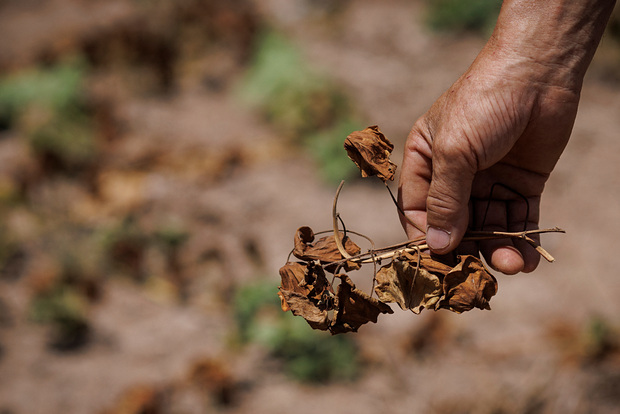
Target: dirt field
198 159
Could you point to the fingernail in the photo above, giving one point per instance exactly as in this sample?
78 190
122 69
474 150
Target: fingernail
437 239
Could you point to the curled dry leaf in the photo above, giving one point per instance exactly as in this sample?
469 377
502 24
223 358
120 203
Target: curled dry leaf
428 263
293 276
306 292
324 249
305 279
468 285
354 308
370 150
408 285
428 284
413 280
300 305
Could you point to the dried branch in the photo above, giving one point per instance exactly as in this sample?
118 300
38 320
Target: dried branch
341 248
400 210
417 244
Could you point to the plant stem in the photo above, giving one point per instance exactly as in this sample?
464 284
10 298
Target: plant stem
400 210
341 249
417 244
376 255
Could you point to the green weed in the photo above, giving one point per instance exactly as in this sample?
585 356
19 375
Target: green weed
48 106
601 340
291 94
326 146
57 88
64 309
301 102
307 355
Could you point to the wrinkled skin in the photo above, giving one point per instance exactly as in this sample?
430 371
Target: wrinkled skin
506 122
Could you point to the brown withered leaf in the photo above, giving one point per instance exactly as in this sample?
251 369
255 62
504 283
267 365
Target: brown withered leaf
469 285
403 283
427 262
302 306
306 292
307 279
354 308
324 249
370 150
293 278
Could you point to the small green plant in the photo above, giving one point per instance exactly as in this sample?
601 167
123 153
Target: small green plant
301 102
171 237
602 339
64 309
291 94
307 355
326 148
48 106
56 88
477 16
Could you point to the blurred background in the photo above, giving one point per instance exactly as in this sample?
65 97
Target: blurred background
156 158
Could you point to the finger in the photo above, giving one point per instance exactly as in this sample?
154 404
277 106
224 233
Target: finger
501 254
524 215
449 193
469 247
415 177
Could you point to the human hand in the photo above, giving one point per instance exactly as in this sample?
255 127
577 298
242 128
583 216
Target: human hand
480 157
488 128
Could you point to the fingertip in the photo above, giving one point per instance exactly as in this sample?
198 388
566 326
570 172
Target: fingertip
531 263
444 237
438 240
507 260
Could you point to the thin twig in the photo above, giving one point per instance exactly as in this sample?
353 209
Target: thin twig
374 273
539 249
400 210
480 235
341 249
415 245
483 235
415 275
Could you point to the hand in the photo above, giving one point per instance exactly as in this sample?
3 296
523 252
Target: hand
493 126
502 125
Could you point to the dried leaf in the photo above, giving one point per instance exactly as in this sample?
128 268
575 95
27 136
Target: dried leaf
354 308
370 150
302 306
469 285
324 249
427 263
322 291
307 279
403 283
293 277
306 292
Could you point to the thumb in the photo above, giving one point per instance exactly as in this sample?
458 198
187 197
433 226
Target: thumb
447 204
